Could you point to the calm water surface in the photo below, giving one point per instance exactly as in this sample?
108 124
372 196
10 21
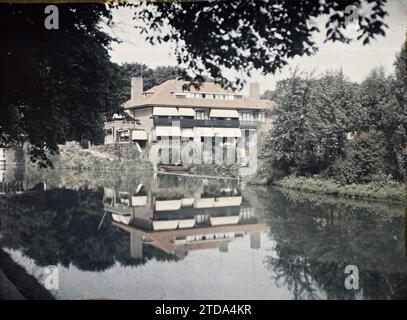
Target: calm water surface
120 236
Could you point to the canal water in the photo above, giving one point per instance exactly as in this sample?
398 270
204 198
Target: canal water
121 236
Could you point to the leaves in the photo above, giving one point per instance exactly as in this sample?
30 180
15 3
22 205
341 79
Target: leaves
342 130
248 35
59 85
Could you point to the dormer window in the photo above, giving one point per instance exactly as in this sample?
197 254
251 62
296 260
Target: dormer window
206 95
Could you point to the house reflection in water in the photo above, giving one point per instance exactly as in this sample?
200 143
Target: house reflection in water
176 224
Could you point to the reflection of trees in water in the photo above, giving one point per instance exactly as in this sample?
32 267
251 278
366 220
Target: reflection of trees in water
315 241
291 270
60 226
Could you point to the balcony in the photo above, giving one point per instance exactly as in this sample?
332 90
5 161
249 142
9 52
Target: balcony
190 123
250 124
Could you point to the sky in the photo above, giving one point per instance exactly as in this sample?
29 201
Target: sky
354 59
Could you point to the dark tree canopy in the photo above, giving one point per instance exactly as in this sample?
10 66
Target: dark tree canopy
247 35
57 85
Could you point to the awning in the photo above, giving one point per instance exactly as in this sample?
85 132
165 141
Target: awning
203 132
121 218
204 203
220 113
173 224
167 205
187 133
221 221
186 223
167 131
162 111
187 202
227 132
228 202
138 135
137 201
165 225
188 112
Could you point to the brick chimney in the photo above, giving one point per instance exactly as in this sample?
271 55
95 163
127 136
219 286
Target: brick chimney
254 90
136 88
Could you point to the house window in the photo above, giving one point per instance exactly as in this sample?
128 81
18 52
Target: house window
201 115
123 136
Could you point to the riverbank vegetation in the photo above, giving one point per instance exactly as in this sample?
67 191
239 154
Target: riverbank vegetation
384 190
104 158
335 136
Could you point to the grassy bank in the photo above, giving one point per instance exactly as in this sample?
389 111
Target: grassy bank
388 191
105 157
25 283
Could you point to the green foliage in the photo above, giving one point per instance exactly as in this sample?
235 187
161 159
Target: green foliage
384 102
288 145
124 157
312 119
248 35
363 161
348 132
60 84
382 190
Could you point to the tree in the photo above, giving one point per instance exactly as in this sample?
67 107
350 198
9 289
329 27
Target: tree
290 145
396 125
57 85
384 102
247 35
353 133
363 159
334 114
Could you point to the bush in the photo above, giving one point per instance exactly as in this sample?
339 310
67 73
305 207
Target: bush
363 160
383 190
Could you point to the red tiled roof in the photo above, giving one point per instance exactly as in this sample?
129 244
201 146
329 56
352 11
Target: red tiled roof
162 95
